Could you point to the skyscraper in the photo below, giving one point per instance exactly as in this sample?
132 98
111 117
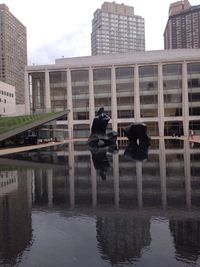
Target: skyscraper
116 29
183 26
13 50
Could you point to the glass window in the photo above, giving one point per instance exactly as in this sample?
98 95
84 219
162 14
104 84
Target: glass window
193 67
193 88
148 71
172 69
58 88
125 92
102 89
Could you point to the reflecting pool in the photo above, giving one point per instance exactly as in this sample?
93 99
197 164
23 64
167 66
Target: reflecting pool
71 206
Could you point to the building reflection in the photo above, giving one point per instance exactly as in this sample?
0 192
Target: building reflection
168 181
122 238
15 214
186 234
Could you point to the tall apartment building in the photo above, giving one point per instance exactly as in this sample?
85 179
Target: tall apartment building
183 26
13 49
116 29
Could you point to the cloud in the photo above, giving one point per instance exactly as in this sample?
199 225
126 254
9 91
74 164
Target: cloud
68 45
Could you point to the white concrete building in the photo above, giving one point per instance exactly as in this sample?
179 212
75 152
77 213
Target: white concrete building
159 88
116 29
7 100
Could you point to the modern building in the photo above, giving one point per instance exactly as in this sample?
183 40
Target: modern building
116 29
7 99
13 49
183 26
159 88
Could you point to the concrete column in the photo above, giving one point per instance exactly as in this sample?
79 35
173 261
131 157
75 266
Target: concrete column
69 104
185 100
91 97
162 161
47 94
50 187
136 94
160 101
30 175
93 183
27 93
139 183
40 184
71 175
187 171
33 187
113 99
116 178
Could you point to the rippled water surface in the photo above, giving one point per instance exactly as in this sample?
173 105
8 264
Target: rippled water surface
71 206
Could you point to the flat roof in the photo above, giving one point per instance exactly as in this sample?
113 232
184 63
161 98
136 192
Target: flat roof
144 57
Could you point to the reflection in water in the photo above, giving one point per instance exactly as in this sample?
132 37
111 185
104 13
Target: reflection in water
100 159
121 239
186 235
137 150
166 185
15 215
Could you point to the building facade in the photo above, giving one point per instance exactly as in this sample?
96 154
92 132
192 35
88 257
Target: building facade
7 100
159 88
13 49
116 29
183 26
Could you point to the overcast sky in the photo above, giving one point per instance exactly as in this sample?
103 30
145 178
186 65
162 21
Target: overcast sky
63 27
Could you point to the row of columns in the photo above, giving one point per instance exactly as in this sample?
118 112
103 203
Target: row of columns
116 178
136 89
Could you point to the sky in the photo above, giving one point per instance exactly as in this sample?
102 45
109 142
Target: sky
62 28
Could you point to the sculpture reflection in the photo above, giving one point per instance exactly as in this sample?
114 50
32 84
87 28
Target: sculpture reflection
136 152
139 142
101 160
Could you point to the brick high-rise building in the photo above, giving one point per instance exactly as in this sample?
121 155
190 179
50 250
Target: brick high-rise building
116 29
13 50
183 26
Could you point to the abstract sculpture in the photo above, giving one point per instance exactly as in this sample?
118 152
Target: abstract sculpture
137 132
99 136
101 142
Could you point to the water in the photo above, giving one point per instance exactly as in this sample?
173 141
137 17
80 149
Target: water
68 206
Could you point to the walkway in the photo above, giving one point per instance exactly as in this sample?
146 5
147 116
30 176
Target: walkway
6 151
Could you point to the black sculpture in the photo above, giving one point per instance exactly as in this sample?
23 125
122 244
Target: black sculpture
139 142
137 132
99 137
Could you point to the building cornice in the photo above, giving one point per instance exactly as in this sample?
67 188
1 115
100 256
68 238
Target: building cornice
131 58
